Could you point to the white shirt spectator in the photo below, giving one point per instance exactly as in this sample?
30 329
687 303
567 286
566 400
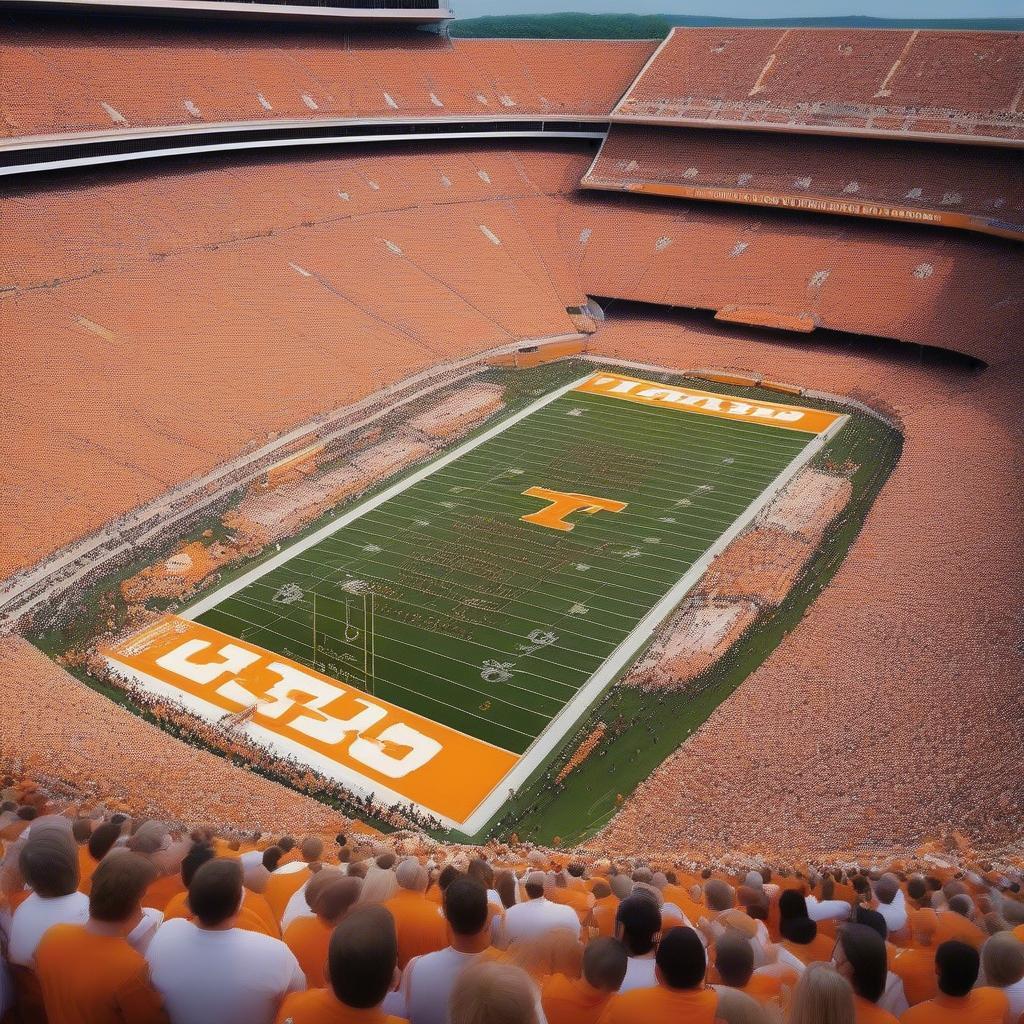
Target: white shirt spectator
142 934
296 907
534 917
827 910
36 916
1015 993
895 913
639 974
426 985
251 859
893 998
221 977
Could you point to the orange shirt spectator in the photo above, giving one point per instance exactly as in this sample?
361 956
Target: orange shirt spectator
88 974
679 995
308 938
583 1000
418 921
916 969
979 1006
957 965
94 979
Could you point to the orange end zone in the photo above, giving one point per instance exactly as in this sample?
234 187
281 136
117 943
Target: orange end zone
706 403
339 730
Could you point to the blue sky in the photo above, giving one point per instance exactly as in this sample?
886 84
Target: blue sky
756 8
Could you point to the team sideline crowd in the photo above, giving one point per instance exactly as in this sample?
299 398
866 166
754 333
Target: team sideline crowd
106 919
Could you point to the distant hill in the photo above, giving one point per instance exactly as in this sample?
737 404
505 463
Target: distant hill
654 26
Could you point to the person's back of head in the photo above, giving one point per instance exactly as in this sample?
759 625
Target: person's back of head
719 895
378 886
493 993
215 893
681 960
957 965
197 856
103 838
600 889
386 861
886 888
792 904
362 957
962 904
272 857
482 872
637 923
27 813
917 888
448 875
49 864
738 1008
465 906
411 875
604 964
954 887
622 886
286 844
333 899
534 884
81 829
862 960
311 849
505 885
872 919
801 931
118 886
734 959
1002 956
822 996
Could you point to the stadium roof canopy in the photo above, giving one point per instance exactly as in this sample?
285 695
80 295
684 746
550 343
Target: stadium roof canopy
407 12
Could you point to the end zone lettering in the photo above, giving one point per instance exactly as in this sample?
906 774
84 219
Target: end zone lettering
340 730
775 414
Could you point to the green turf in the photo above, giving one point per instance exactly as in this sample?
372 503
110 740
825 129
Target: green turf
458 580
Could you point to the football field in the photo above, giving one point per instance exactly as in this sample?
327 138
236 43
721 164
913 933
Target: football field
434 643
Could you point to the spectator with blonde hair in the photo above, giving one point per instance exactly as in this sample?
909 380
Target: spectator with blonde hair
735 1007
822 996
493 993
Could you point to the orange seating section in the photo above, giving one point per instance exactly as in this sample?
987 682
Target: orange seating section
947 83
75 81
916 284
978 187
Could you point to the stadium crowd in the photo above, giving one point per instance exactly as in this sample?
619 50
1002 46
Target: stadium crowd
109 918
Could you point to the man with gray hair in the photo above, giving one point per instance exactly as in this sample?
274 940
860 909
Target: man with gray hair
419 922
538 914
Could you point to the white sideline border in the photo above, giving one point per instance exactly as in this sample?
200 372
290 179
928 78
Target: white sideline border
555 731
